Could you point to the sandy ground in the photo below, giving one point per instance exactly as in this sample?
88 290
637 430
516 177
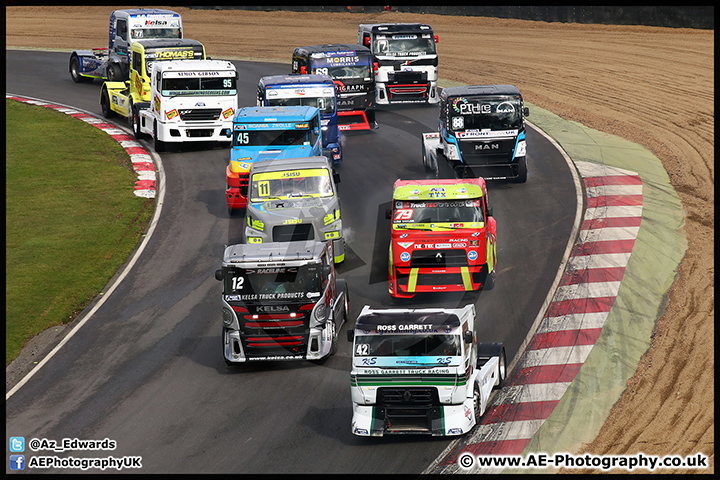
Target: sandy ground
653 86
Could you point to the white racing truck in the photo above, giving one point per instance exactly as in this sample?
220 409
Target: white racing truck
126 27
189 101
421 371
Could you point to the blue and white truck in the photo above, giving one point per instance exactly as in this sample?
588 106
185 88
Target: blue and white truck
126 27
260 133
306 90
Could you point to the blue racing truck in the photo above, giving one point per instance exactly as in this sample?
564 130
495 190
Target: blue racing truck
307 90
351 68
260 133
481 132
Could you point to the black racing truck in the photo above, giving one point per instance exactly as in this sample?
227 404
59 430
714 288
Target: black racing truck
351 68
481 132
281 301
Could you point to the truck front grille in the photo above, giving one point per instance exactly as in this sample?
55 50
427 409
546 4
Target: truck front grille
291 233
438 258
199 114
407 396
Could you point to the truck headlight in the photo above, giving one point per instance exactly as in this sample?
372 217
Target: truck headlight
227 316
320 313
521 149
332 235
254 240
452 152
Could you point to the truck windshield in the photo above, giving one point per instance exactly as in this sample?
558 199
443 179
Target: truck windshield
146 33
405 44
324 104
310 182
452 212
215 86
415 345
484 113
283 282
346 71
269 138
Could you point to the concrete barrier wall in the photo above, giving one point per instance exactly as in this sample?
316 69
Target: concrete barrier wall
702 17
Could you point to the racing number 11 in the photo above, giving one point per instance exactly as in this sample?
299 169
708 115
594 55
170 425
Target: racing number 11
264 188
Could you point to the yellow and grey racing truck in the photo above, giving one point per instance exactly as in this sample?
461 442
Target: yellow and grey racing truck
421 371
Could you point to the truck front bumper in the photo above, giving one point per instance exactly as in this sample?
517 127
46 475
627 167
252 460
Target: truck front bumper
440 420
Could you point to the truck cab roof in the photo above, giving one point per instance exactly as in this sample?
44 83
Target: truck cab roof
146 11
395 27
281 164
469 90
194 65
304 251
167 42
299 78
428 189
332 47
276 114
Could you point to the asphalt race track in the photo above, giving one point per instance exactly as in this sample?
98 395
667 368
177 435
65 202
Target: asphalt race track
147 370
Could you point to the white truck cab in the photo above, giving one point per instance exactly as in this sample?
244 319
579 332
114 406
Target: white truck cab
421 371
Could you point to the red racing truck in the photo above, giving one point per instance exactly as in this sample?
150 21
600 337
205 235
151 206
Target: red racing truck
442 238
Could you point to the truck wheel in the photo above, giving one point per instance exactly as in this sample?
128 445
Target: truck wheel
113 73
477 404
75 71
489 280
426 160
157 144
105 104
334 344
521 171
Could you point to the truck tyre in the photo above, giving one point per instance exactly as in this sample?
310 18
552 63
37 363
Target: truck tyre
157 144
477 404
114 73
521 170
426 161
105 104
489 280
75 71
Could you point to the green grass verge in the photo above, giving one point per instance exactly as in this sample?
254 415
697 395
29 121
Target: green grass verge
71 218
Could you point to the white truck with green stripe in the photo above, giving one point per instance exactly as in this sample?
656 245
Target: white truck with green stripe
421 371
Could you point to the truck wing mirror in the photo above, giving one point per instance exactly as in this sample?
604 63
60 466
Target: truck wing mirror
336 177
526 111
437 39
489 211
218 275
350 335
388 213
468 336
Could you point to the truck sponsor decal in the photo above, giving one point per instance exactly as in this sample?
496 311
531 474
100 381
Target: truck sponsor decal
228 113
486 133
172 114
